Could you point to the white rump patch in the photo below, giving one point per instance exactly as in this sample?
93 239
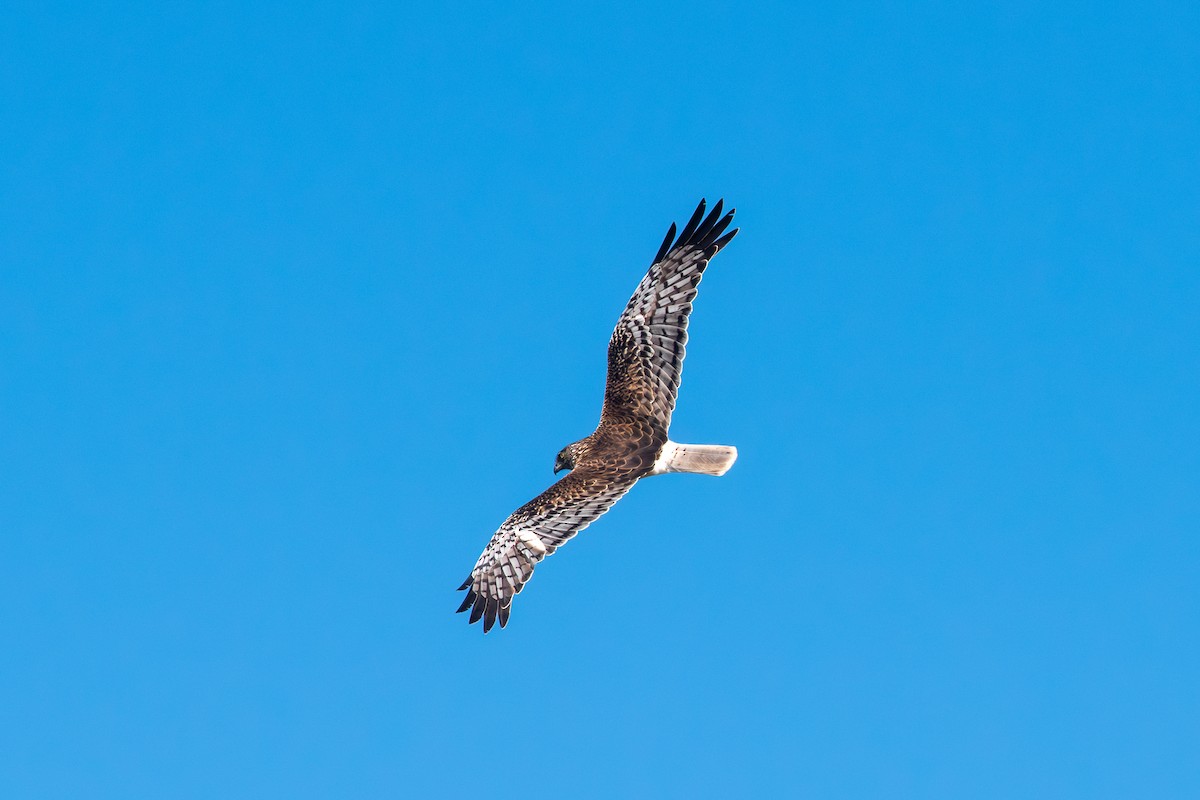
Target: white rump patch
663 462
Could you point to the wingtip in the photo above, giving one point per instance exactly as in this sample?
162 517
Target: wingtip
702 230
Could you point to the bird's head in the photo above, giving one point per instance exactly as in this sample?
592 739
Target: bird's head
567 457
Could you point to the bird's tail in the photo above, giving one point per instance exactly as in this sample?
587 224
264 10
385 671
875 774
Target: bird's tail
702 459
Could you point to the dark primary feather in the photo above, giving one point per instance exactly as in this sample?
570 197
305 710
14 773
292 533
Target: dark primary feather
666 245
697 215
645 361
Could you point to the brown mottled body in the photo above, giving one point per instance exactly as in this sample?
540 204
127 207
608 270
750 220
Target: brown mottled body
645 360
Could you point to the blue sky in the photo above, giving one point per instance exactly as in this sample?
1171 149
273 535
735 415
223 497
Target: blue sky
298 302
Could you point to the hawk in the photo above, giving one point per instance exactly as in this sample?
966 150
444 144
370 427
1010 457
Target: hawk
645 357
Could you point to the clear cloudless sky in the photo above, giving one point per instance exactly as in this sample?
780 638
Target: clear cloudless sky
299 301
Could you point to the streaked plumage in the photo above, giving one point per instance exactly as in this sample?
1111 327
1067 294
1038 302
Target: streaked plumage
645 358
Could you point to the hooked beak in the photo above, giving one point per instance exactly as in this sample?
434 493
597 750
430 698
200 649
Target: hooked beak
558 467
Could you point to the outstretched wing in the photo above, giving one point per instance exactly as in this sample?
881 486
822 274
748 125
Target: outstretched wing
645 354
534 531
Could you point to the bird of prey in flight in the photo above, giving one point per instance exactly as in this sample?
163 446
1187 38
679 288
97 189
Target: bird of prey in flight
645 357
